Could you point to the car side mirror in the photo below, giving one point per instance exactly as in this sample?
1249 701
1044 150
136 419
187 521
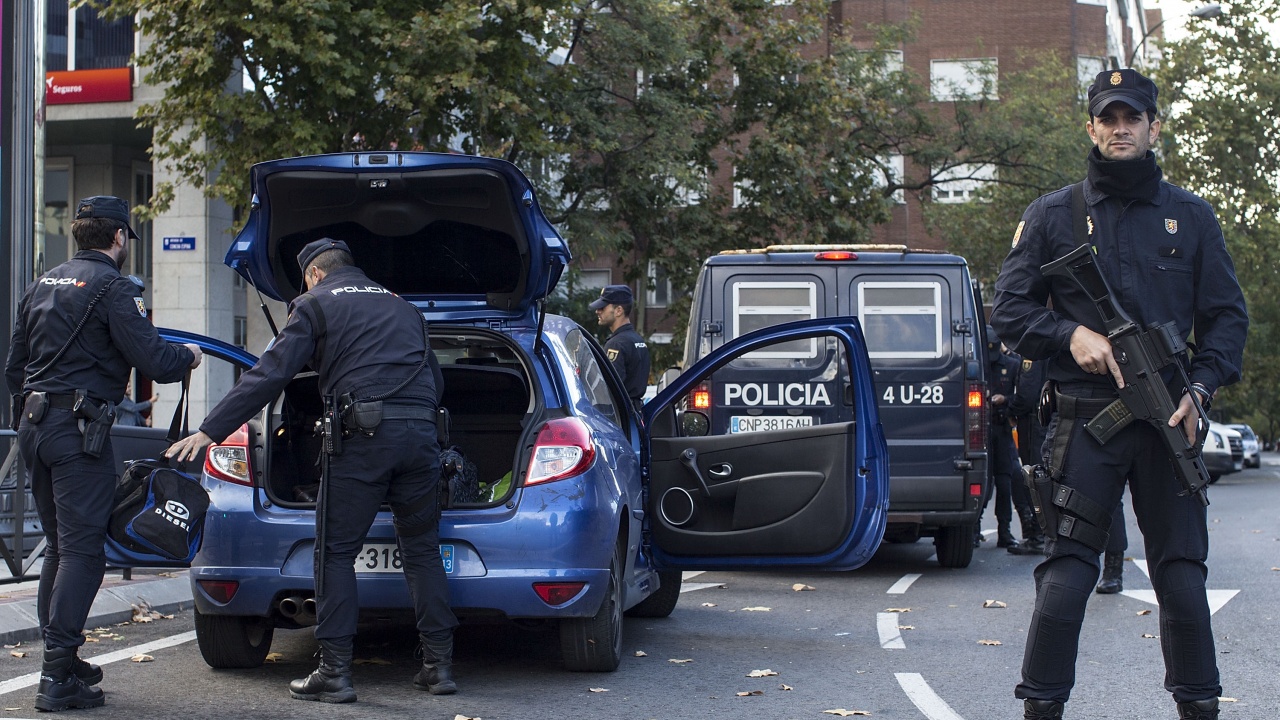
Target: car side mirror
694 424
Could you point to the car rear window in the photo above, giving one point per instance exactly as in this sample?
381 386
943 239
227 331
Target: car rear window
901 319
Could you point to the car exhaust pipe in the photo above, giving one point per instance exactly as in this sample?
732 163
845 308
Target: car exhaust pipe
298 609
309 608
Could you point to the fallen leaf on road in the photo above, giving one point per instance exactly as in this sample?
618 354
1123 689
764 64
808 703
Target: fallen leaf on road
641 653
90 638
756 609
680 662
906 627
143 613
166 574
722 587
995 604
1144 612
990 642
801 586
785 687
17 653
598 690
13 709
1275 569
761 673
897 610
708 604
1227 699
1150 636
9 647
845 713
750 692
371 661
142 658
273 657
464 717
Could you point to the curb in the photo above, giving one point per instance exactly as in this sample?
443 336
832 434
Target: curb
114 604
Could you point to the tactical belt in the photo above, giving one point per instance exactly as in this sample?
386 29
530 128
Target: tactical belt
408 412
61 402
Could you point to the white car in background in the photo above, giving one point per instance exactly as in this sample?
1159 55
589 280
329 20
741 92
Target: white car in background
1223 451
1250 443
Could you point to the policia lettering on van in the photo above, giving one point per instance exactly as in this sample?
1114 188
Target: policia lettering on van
920 314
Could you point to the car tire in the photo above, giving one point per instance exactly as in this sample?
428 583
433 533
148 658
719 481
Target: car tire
1214 477
955 545
594 644
661 603
233 641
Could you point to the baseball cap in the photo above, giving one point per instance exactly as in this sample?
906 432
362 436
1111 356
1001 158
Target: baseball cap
613 295
313 249
105 206
1127 86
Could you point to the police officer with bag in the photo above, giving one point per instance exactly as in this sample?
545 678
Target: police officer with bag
80 329
371 352
1160 250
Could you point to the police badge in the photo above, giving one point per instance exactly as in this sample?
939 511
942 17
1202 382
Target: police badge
612 353
1116 78
142 306
1171 226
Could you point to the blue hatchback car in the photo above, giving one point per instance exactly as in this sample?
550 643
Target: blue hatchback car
584 508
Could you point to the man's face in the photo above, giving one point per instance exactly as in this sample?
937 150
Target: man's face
1122 133
607 314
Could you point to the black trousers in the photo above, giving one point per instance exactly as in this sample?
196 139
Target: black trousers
1177 542
73 494
399 465
1006 477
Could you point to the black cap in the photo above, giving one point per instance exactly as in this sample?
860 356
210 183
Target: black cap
315 247
613 295
105 206
1127 86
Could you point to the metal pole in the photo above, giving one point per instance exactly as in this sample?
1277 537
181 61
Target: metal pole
37 249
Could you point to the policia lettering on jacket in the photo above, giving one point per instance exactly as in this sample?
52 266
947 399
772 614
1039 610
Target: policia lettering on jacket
371 352
1162 252
80 329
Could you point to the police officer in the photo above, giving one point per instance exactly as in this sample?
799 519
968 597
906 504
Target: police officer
624 348
1002 374
80 328
1024 406
368 346
1163 253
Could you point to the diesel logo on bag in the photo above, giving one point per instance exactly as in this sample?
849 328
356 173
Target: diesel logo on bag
174 512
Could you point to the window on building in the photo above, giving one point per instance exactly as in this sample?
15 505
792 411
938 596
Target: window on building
892 169
901 319
968 79
759 305
959 184
95 43
1087 68
741 188
57 245
55 42
240 333
659 294
141 252
583 280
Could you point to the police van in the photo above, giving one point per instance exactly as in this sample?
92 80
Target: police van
920 313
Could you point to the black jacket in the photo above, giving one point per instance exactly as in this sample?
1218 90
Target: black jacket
117 336
630 357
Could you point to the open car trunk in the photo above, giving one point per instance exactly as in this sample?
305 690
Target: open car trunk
486 391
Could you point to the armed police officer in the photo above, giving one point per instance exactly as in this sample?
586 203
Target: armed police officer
1161 251
624 348
80 329
371 352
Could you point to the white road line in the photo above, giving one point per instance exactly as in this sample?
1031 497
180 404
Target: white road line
690 587
890 636
924 698
30 679
1216 598
903 583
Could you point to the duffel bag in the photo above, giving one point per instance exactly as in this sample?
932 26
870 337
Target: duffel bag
159 514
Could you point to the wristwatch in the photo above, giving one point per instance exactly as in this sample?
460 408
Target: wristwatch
1206 398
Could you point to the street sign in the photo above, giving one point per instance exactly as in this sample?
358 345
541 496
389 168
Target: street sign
179 243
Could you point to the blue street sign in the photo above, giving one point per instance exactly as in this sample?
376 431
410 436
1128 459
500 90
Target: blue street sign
179 243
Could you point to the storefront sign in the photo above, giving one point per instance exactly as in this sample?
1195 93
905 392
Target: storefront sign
67 87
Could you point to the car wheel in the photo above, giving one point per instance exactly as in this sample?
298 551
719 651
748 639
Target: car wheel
1214 477
955 545
594 644
661 603
233 641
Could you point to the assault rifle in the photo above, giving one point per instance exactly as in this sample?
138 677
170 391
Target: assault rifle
1141 355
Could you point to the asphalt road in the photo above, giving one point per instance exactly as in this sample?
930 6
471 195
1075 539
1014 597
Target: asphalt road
900 638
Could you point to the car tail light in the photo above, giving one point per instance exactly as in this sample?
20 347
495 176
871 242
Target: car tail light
701 397
558 593
836 255
563 449
229 461
220 590
975 416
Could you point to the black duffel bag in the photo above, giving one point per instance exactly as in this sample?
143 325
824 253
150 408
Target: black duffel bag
158 516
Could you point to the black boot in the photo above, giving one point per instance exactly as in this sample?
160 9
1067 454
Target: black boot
60 688
1032 536
1004 538
331 681
1112 574
436 675
88 673
1041 710
1198 710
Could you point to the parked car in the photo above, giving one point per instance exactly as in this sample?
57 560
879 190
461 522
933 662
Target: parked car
1249 443
587 508
1223 451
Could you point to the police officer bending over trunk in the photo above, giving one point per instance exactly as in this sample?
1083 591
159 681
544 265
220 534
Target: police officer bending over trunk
371 352
625 348
80 329
1163 255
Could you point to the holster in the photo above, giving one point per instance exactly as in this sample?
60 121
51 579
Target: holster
1040 486
1064 512
362 416
17 408
98 417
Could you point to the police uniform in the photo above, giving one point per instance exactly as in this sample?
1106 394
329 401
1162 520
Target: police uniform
363 341
1024 407
1002 379
625 348
1164 256
74 489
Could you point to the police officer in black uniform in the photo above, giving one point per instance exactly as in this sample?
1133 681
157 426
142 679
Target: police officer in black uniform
1163 253
365 343
1006 472
624 348
80 328
1024 406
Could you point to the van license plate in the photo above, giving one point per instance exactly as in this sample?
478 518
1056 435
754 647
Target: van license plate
385 558
761 423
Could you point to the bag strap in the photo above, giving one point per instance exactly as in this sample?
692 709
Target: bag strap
178 427
88 311
1080 225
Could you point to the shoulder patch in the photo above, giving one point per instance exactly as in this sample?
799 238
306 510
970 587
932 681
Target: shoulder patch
1026 366
1017 234
612 353
142 306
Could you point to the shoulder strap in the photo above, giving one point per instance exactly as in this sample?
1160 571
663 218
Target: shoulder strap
318 312
1079 214
88 312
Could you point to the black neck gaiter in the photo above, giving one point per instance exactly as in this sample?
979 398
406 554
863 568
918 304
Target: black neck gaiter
1125 179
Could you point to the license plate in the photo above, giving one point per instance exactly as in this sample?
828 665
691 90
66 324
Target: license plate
385 558
761 423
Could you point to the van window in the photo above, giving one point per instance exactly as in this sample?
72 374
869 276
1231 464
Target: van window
901 319
759 305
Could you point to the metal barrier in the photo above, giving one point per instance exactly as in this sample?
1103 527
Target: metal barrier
15 491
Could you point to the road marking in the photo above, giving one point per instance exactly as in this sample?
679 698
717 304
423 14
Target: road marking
890 636
1216 598
924 698
901 586
30 679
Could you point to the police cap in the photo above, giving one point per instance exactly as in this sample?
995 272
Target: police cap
1127 86
315 247
613 295
105 206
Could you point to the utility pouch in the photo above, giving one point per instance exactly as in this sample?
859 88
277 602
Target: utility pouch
98 421
1040 484
360 415
1110 421
34 409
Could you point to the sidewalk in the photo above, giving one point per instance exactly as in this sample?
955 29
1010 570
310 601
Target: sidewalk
165 591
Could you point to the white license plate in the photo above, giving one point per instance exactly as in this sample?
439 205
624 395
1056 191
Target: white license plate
385 558
760 423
